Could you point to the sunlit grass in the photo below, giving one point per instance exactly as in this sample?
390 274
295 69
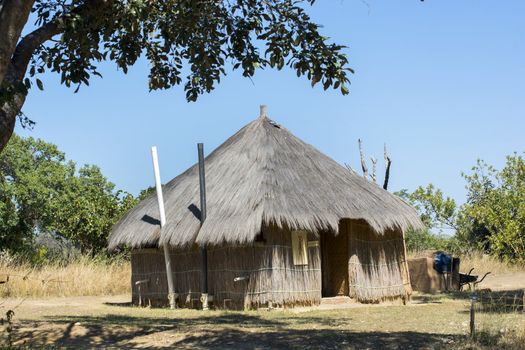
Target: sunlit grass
83 276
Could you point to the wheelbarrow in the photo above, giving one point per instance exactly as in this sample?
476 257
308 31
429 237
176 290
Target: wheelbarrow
470 279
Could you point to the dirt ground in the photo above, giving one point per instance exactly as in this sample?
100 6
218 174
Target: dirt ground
427 322
504 281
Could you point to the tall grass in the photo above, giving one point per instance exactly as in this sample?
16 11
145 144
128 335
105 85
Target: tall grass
81 276
497 334
483 263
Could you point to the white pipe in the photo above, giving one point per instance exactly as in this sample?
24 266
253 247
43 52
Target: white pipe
158 185
162 214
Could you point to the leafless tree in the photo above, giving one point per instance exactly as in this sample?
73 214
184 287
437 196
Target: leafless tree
364 167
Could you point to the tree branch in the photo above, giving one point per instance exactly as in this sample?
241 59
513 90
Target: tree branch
374 168
15 74
19 55
27 46
388 162
349 168
363 162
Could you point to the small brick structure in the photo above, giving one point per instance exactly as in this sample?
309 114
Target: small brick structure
424 278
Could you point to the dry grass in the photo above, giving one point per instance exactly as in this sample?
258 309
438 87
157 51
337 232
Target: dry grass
83 276
500 321
504 332
483 263
429 322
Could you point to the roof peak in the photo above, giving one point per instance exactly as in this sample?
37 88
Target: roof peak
263 112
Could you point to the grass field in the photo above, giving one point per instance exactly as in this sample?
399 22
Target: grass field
428 322
84 305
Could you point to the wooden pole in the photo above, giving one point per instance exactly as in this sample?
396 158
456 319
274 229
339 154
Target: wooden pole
472 317
162 214
204 253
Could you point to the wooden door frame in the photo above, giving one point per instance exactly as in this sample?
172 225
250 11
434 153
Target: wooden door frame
326 274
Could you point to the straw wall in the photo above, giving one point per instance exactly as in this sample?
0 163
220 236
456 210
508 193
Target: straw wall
377 270
267 264
149 264
294 284
377 265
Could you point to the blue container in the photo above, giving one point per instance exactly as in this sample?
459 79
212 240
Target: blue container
442 262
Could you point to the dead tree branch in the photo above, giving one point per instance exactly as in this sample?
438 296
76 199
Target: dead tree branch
374 169
363 162
388 162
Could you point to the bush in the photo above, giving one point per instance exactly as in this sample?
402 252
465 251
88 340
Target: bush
422 240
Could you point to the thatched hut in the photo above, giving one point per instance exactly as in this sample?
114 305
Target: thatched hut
286 225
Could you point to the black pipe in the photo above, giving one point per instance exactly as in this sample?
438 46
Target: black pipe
202 184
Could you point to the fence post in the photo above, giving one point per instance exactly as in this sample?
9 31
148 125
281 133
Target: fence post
473 299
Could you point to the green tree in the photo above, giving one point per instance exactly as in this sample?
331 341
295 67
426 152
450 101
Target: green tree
146 192
32 175
496 204
437 212
186 42
40 191
492 218
87 208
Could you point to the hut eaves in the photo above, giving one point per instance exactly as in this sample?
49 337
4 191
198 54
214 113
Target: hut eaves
262 174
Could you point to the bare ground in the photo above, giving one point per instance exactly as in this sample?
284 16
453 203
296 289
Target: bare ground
86 322
428 322
504 281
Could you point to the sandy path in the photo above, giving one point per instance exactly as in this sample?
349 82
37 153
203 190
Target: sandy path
504 281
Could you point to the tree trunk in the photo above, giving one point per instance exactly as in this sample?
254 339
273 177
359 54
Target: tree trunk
8 115
13 17
15 73
15 53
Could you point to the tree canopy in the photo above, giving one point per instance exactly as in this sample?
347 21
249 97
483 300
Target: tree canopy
40 191
187 42
493 215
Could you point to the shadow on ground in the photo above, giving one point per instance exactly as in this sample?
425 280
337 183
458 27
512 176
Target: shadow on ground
119 304
424 298
238 331
315 339
487 301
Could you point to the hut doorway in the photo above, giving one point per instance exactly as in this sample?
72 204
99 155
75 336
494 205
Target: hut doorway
334 255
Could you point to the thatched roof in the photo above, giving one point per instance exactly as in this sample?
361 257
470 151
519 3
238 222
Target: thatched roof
262 174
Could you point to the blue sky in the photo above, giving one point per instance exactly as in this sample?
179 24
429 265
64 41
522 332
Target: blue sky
441 82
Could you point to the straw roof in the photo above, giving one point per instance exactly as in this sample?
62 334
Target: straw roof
262 174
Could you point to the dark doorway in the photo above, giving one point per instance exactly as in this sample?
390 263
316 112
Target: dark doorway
334 263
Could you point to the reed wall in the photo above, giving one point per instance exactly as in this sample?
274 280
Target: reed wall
265 267
149 264
377 270
377 264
